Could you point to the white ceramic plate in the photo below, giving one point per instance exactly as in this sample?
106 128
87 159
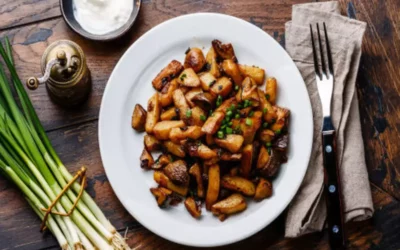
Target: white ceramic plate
121 146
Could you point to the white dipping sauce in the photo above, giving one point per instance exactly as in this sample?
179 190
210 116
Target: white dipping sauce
100 17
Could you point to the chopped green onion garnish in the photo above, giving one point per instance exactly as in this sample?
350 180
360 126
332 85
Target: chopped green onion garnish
267 96
278 132
250 103
246 103
236 88
220 134
182 77
269 150
219 101
223 126
229 113
227 119
229 130
265 124
251 113
203 117
268 144
265 110
249 122
237 116
189 113
230 124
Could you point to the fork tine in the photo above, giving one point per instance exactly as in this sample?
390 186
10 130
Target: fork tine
321 51
316 68
328 51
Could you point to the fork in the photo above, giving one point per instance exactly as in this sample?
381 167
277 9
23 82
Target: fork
325 80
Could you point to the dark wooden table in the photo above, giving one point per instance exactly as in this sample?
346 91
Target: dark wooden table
33 24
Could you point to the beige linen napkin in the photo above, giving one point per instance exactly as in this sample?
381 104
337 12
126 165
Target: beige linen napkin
307 212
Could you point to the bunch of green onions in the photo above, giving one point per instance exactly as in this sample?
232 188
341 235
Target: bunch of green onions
28 159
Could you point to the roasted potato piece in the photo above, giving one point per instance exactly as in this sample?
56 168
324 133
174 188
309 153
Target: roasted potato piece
195 59
177 172
166 74
207 80
231 142
197 118
153 113
205 100
213 123
197 149
266 135
164 181
188 78
191 132
161 162
192 207
231 205
213 185
271 90
231 69
244 112
146 159
263 158
161 194
234 171
282 119
225 51
184 89
269 113
175 149
180 102
139 118
227 104
238 184
151 143
247 160
195 171
210 139
248 91
263 189
166 93
170 114
162 129
192 93
228 156
254 72
222 87
249 126
211 59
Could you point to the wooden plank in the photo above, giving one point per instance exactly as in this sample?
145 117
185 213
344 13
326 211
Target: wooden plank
77 146
30 42
378 88
20 12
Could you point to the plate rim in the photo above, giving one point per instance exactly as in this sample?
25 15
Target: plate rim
106 90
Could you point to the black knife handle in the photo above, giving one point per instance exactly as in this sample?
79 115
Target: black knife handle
333 191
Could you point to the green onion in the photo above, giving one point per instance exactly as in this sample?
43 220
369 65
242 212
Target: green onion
269 150
246 103
265 110
230 124
30 161
236 88
250 103
203 118
228 130
249 122
229 113
265 125
189 113
219 101
268 144
220 134
278 132
237 116
267 96
251 113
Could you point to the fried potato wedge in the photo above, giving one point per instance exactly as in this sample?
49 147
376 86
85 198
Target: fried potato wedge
195 171
168 73
166 93
177 172
165 182
146 159
161 194
175 149
222 87
263 189
189 78
231 205
198 149
247 160
263 158
139 118
169 114
191 132
249 127
192 207
195 59
213 185
269 113
197 118
153 113
225 51
232 70
211 59
271 90
239 184
227 104
213 123
180 103
256 73
151 143
266 135
162 129
207 80
233 143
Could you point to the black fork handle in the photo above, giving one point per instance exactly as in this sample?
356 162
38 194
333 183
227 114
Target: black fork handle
333 191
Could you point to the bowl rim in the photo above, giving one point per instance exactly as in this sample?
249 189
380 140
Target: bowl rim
106 37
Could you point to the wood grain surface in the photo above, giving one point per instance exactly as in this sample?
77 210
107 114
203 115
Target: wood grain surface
33 24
